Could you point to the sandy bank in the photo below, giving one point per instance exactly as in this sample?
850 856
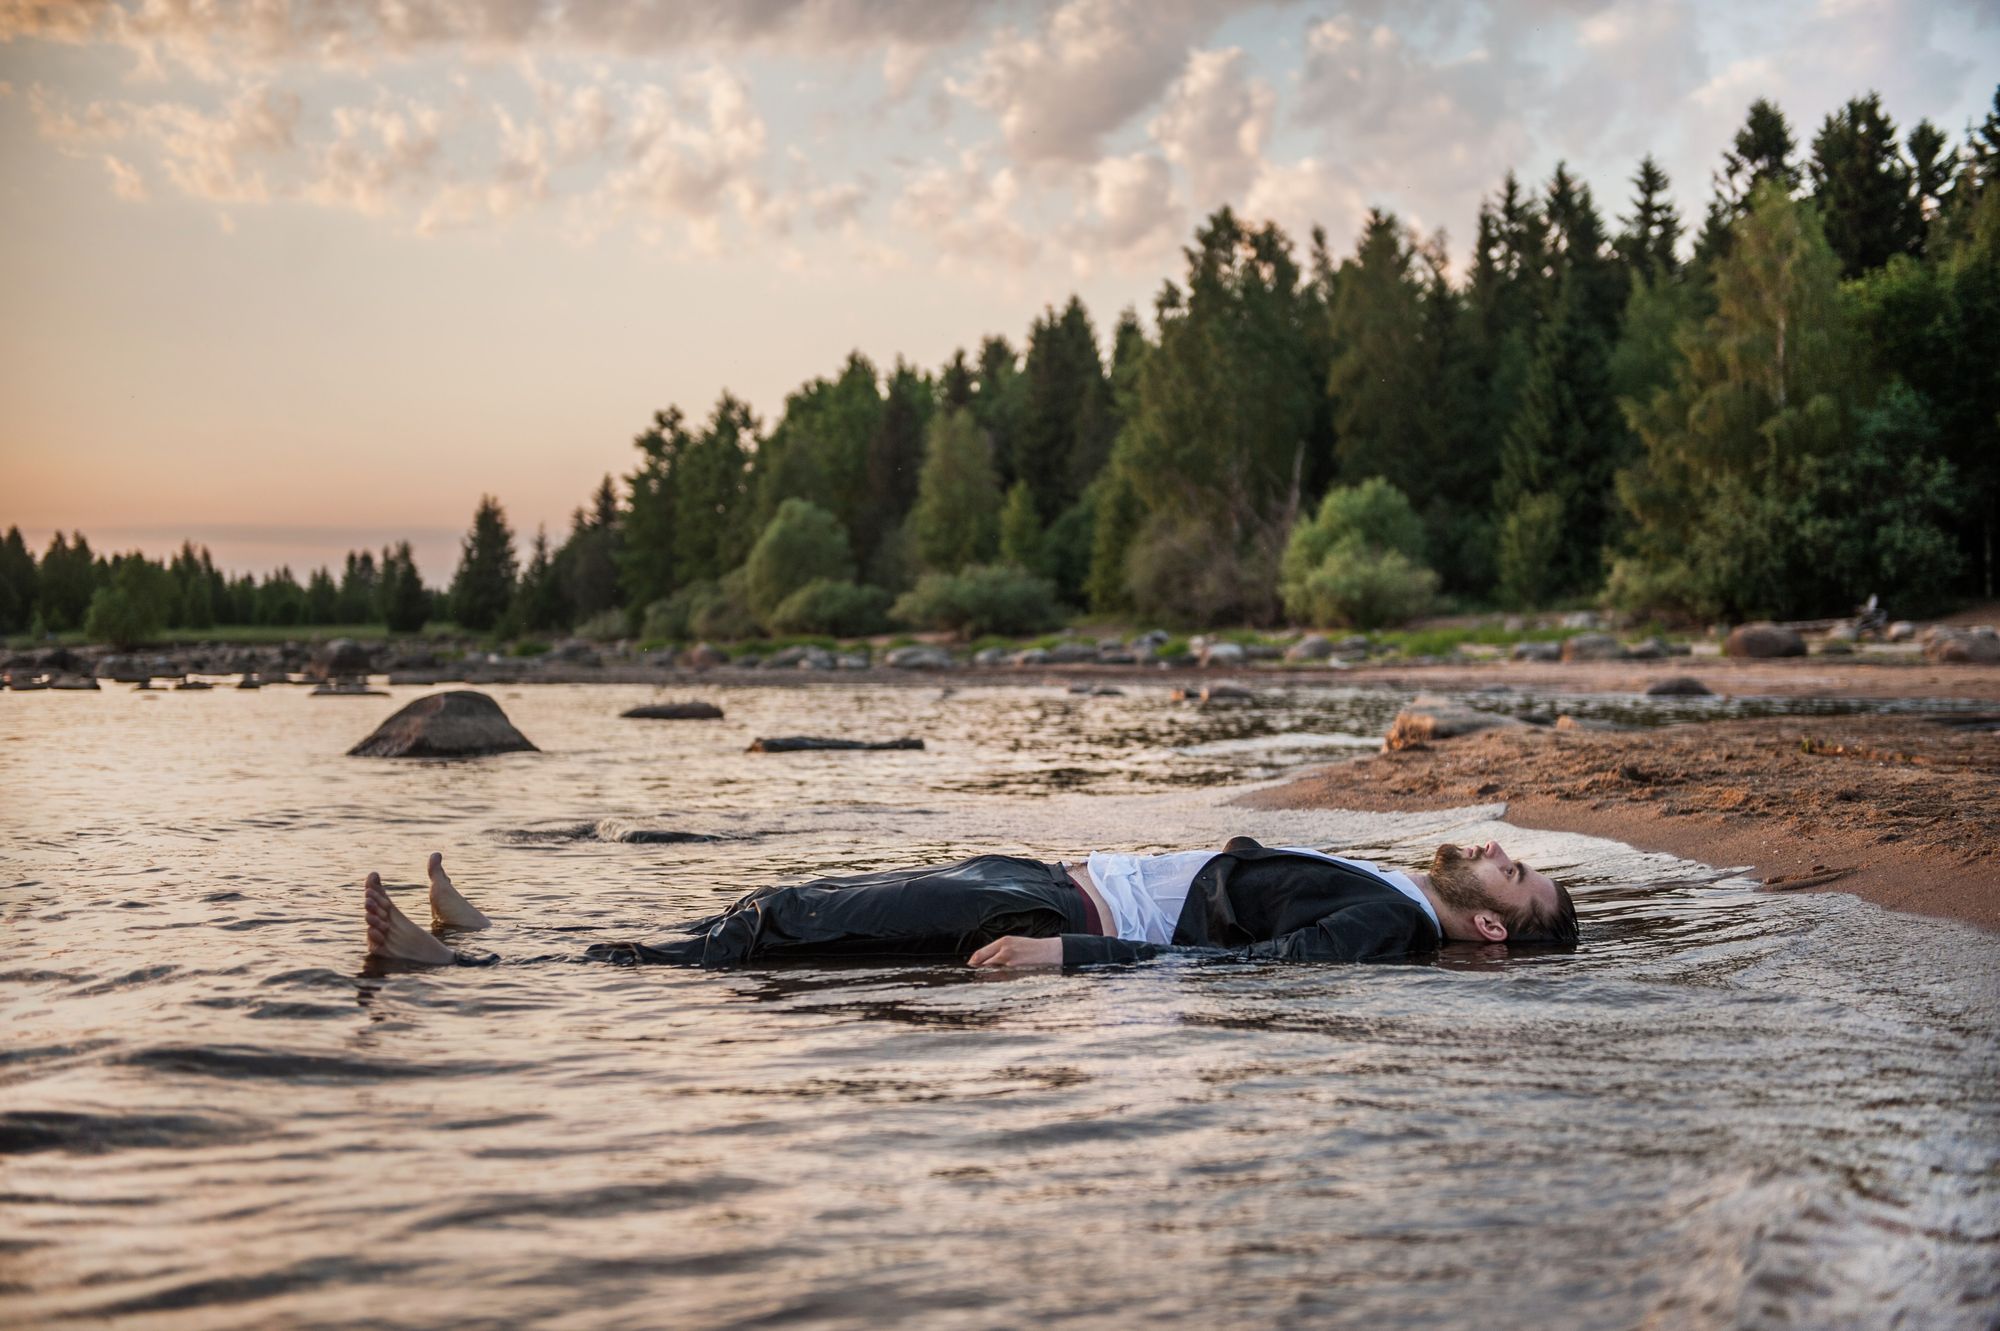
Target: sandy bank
1904 811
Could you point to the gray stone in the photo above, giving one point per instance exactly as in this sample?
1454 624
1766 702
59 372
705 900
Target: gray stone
340 659
785 658
1538 651
1032 656
1763 640
460 724
816 658
1592 647
1222 655
1429 718
1978 646
918 656
1679 686
691 710
1072 653
574 651
704 656
850 661
1581 619
1901 631
1118 656
1647 649
991 656
1312 647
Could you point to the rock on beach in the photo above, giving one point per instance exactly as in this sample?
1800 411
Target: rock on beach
1679 686
1429 718
463 723
675 711
1763 640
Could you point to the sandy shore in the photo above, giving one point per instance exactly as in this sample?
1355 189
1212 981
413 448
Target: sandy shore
1902 810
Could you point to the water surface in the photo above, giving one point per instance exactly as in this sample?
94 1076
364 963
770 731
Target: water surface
1727 1109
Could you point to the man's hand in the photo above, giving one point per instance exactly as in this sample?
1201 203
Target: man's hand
1014 950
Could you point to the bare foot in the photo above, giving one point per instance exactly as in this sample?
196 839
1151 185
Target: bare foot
447 906
392 936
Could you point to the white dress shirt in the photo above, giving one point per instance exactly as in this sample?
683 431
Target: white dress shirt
1146 892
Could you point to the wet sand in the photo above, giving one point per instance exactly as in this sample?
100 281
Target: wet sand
1901 810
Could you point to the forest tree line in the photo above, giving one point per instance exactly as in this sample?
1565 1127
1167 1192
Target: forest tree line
1789 406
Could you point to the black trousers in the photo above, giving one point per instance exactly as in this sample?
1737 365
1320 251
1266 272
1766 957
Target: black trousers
896 913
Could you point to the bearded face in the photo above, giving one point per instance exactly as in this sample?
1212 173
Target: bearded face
1455 878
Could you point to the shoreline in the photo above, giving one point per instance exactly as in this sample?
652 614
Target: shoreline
1903 811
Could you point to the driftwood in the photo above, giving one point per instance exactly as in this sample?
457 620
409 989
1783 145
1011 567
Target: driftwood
801 743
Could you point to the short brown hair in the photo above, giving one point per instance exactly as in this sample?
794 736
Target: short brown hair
1534 924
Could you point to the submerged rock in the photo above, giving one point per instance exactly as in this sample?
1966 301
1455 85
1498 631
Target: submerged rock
341 658
460 724
803 743
675 711
1679 686
1429 718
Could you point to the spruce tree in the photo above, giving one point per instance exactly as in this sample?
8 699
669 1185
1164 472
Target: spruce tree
360 590
1932 167
539 603
17 583
1647 244
406 604
646 562
1867 198
484 583
322 598
956 518
1065 428
895 458
1761 151
710 496
588 564
1021 542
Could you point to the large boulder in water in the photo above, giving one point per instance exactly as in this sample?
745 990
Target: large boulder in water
459 724
1978 646
1428 718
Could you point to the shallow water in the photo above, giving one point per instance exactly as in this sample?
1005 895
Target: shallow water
1726 1109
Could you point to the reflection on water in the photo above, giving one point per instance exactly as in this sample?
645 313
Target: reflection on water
1727 1109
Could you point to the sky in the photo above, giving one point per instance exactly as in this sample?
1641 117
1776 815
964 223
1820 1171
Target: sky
290 277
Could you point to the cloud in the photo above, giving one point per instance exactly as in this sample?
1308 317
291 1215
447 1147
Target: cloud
1087 69
214 37
376 152
1214 125
126 182
1131 211
964 208
221 157
690 151
1430 135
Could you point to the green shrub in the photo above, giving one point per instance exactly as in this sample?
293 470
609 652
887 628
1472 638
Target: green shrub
1530 544
826 606
530 647
1358 561
725 614
118 617
984 598
1361 586
605 626
803 542
1187 570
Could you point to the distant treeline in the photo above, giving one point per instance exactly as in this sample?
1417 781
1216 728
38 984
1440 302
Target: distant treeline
1797 409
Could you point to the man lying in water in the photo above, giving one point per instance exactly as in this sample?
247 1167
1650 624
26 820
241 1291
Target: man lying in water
1245 901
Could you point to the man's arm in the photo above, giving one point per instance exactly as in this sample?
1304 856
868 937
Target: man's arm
1367 931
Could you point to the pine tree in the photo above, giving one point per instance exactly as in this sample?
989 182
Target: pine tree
588 565
360 589
1021 537
1762 151
539 603
1867 199
1653 229
17 583
710 494
999 404
647 569
895 458
322 598
406 604
484 583
955 520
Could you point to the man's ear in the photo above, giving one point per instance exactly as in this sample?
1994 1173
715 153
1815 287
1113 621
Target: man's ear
1490 926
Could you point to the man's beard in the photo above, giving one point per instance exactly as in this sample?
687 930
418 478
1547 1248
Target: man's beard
1454 877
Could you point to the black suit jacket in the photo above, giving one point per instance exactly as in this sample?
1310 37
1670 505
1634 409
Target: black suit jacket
1273 905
